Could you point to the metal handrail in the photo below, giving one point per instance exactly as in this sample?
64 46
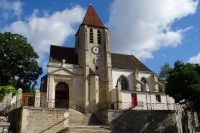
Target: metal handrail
99 107
143 106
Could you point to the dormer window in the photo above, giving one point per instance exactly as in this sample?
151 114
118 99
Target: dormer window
91 36
99 36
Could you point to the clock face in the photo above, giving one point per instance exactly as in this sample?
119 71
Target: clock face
95 50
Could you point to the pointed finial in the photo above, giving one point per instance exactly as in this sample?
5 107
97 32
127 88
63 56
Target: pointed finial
90 4
63 61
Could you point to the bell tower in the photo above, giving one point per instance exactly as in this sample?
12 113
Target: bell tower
93 49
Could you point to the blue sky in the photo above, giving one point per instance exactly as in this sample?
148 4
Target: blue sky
154 31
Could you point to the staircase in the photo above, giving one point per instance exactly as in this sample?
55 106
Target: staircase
77 118
84 123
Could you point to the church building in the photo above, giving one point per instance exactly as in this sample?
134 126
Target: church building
89 76
90 89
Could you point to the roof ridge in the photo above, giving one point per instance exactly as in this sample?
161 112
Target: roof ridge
121 54
62 46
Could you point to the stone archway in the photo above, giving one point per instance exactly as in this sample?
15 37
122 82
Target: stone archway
62 95
122 83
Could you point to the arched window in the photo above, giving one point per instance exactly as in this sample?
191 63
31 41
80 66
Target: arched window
144 81
123 83
62 85
99 36
91 36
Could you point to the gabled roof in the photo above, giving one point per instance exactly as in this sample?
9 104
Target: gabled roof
58 53
92 19
121 61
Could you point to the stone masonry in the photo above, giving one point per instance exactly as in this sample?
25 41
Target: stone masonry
36 120
140 121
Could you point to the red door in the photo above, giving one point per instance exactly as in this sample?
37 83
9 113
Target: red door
62 98
62 95
134 100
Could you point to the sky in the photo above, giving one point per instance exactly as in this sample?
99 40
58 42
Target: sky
155 31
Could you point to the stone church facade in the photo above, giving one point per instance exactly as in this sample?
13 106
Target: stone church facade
89 76
90 89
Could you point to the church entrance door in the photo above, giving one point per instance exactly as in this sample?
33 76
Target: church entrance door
134 99
62 95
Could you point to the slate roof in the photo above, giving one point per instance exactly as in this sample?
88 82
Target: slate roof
119 61
122 61
92 19
58 53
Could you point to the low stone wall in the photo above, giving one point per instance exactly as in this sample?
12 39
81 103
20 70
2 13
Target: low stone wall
140 121
38 120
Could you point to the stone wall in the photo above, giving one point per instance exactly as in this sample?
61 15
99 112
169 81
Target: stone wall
10 99
35 120
140 121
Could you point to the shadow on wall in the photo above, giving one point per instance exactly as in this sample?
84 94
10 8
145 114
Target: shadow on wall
93 120
145 122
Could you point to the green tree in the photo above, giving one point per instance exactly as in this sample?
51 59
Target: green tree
164 73
4 90
183 84
18 62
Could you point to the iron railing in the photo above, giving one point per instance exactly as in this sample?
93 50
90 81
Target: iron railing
52 103
143 106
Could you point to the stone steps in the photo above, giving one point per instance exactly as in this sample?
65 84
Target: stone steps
86 129
84 123
77 118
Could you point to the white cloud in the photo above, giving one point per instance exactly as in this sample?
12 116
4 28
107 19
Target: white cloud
50 29
195 59
141 27
10 8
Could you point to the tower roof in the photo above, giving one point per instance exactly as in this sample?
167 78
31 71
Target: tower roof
92 19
